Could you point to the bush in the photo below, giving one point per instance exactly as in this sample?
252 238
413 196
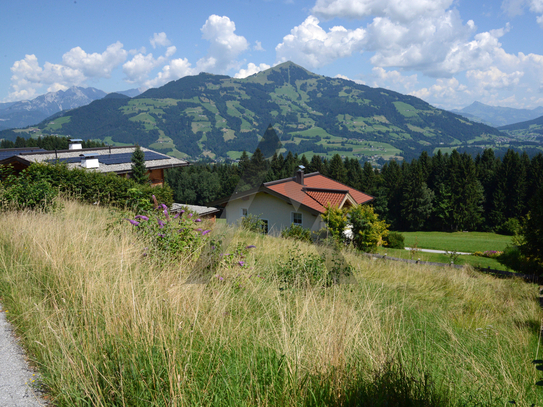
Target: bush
171 236
33 195
24 192
336 221
92 187
368 231
252 223
512 258
394 240
297 232
510 227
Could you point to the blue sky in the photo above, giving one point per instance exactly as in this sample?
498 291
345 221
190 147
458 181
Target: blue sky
449 53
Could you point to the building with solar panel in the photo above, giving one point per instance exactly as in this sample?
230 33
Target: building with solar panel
103 159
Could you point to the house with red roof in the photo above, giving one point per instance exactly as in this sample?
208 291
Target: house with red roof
299 200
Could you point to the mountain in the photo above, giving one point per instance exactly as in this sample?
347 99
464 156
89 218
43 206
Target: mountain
529 130
219 117
29 112
498 116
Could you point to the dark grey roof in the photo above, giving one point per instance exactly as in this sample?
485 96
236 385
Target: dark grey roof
112 159
10 152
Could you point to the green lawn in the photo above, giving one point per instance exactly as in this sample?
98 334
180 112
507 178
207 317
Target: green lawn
474 261
458 241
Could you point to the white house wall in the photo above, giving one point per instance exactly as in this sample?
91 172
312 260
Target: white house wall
277 212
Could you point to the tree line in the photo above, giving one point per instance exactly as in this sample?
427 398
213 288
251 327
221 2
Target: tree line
47 143
447 192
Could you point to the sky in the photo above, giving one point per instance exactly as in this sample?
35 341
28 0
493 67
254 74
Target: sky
449 53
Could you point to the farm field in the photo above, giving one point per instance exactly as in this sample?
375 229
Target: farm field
107 325
457 241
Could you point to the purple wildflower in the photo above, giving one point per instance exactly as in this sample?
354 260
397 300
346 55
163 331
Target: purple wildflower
205 232
142 217
181 212
163 206
160 223
251 247
155 202
161 235
132 221
241 263
190 215
167 214
198 220
199 229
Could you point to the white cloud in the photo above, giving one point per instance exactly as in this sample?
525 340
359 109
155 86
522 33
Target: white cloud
450 90
311 46
77 67
95 65
27 77
159 39
516 7
398 10
251 70
139 67
225 46
55 87
176 69
359 81
493 78
258 46
393 80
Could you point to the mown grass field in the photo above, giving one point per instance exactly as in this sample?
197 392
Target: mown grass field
459 241
107 326
474 261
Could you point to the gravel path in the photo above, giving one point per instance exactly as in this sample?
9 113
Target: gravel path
436 251
15 375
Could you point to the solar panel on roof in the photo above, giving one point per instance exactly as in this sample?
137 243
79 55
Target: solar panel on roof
113 159
10 153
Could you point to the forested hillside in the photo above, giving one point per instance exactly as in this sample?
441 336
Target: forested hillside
218 117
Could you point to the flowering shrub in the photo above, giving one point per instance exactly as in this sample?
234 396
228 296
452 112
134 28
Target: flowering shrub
170 235
492 254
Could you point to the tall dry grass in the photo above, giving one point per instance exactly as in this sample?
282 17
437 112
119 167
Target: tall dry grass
107 326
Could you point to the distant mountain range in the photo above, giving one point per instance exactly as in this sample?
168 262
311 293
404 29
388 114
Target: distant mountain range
219 117
29 112
497 116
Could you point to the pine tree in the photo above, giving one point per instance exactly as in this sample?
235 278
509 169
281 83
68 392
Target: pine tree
417 199
139 170
336 169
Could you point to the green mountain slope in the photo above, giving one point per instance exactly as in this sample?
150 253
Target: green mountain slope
219 117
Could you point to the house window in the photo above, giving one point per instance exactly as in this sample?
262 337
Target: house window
264 226
297 218
244 212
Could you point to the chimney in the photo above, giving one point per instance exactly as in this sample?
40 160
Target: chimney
75 144
89 160
300 175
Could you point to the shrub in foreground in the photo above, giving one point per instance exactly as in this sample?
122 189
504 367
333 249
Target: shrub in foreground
297 232
91 186
394 240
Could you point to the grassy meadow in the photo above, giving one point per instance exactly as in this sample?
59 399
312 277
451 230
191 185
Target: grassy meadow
107 326
458 241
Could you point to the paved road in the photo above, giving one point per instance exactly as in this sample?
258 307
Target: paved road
435 251
15 374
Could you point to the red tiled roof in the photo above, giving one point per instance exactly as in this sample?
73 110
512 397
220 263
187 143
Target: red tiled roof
317 191
327 198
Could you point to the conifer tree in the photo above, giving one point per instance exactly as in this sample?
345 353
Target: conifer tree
336 169
139 170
